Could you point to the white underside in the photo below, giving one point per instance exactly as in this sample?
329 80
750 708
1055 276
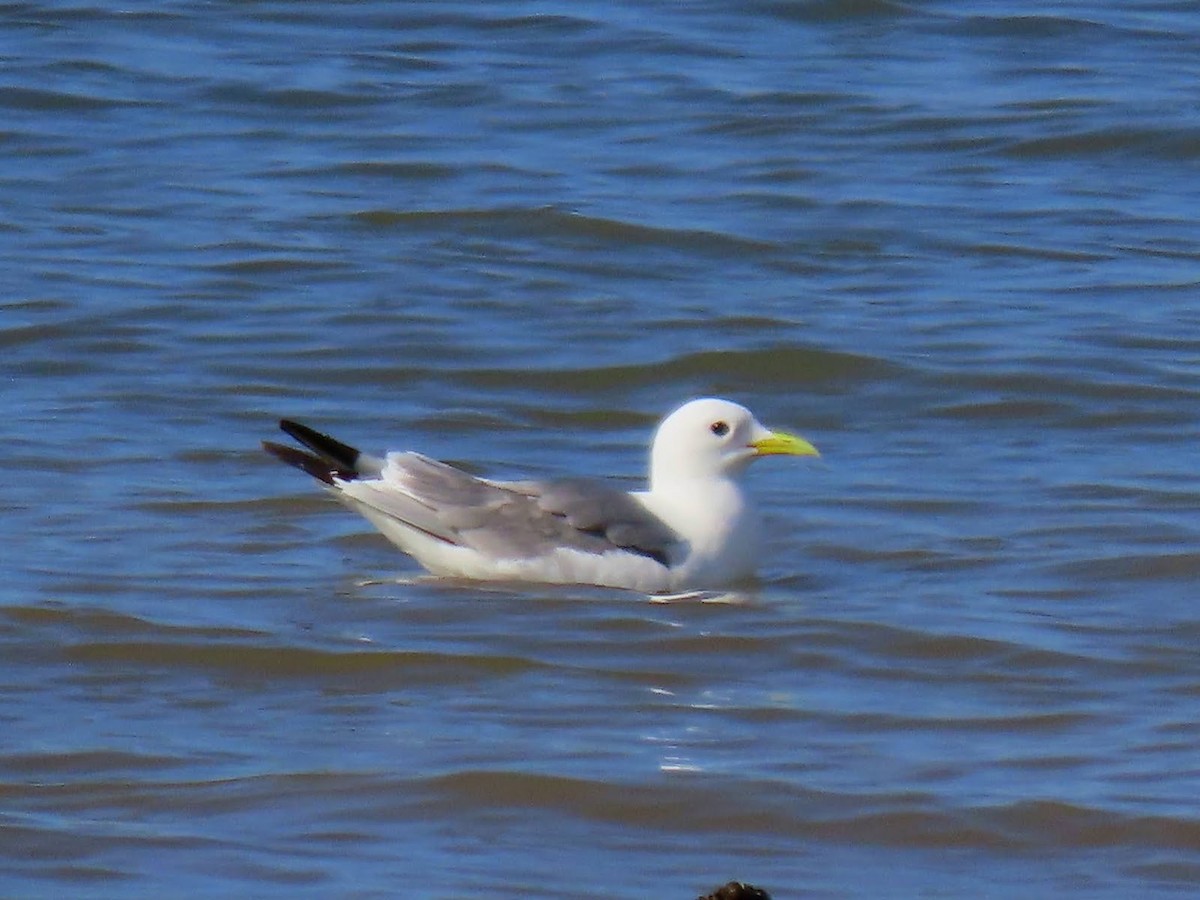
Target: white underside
722 538
563 565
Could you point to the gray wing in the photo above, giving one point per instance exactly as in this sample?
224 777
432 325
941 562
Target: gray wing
514 519
595 508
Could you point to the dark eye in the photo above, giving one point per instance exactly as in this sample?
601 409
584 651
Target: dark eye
720 429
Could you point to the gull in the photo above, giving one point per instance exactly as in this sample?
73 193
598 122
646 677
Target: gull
693 529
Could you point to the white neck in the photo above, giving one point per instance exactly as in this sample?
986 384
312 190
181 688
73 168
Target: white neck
716 519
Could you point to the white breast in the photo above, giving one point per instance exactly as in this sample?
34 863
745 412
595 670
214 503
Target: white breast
721 528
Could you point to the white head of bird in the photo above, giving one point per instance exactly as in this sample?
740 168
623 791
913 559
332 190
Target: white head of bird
713 439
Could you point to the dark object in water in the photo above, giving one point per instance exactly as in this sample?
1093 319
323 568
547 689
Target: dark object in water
735 890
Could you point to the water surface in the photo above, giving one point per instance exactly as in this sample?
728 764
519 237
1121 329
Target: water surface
953 244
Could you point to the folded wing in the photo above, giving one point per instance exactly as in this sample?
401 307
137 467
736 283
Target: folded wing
517 520
514 520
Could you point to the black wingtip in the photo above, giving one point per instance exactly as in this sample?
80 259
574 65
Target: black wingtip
319 468
334 451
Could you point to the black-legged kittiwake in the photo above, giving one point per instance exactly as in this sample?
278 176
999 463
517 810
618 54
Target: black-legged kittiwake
695 528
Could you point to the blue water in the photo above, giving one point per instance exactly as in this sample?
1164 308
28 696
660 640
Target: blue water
954 244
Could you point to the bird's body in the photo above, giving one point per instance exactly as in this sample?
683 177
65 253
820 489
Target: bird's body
694 528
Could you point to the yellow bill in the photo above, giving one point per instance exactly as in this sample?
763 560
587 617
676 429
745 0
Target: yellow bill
780 443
